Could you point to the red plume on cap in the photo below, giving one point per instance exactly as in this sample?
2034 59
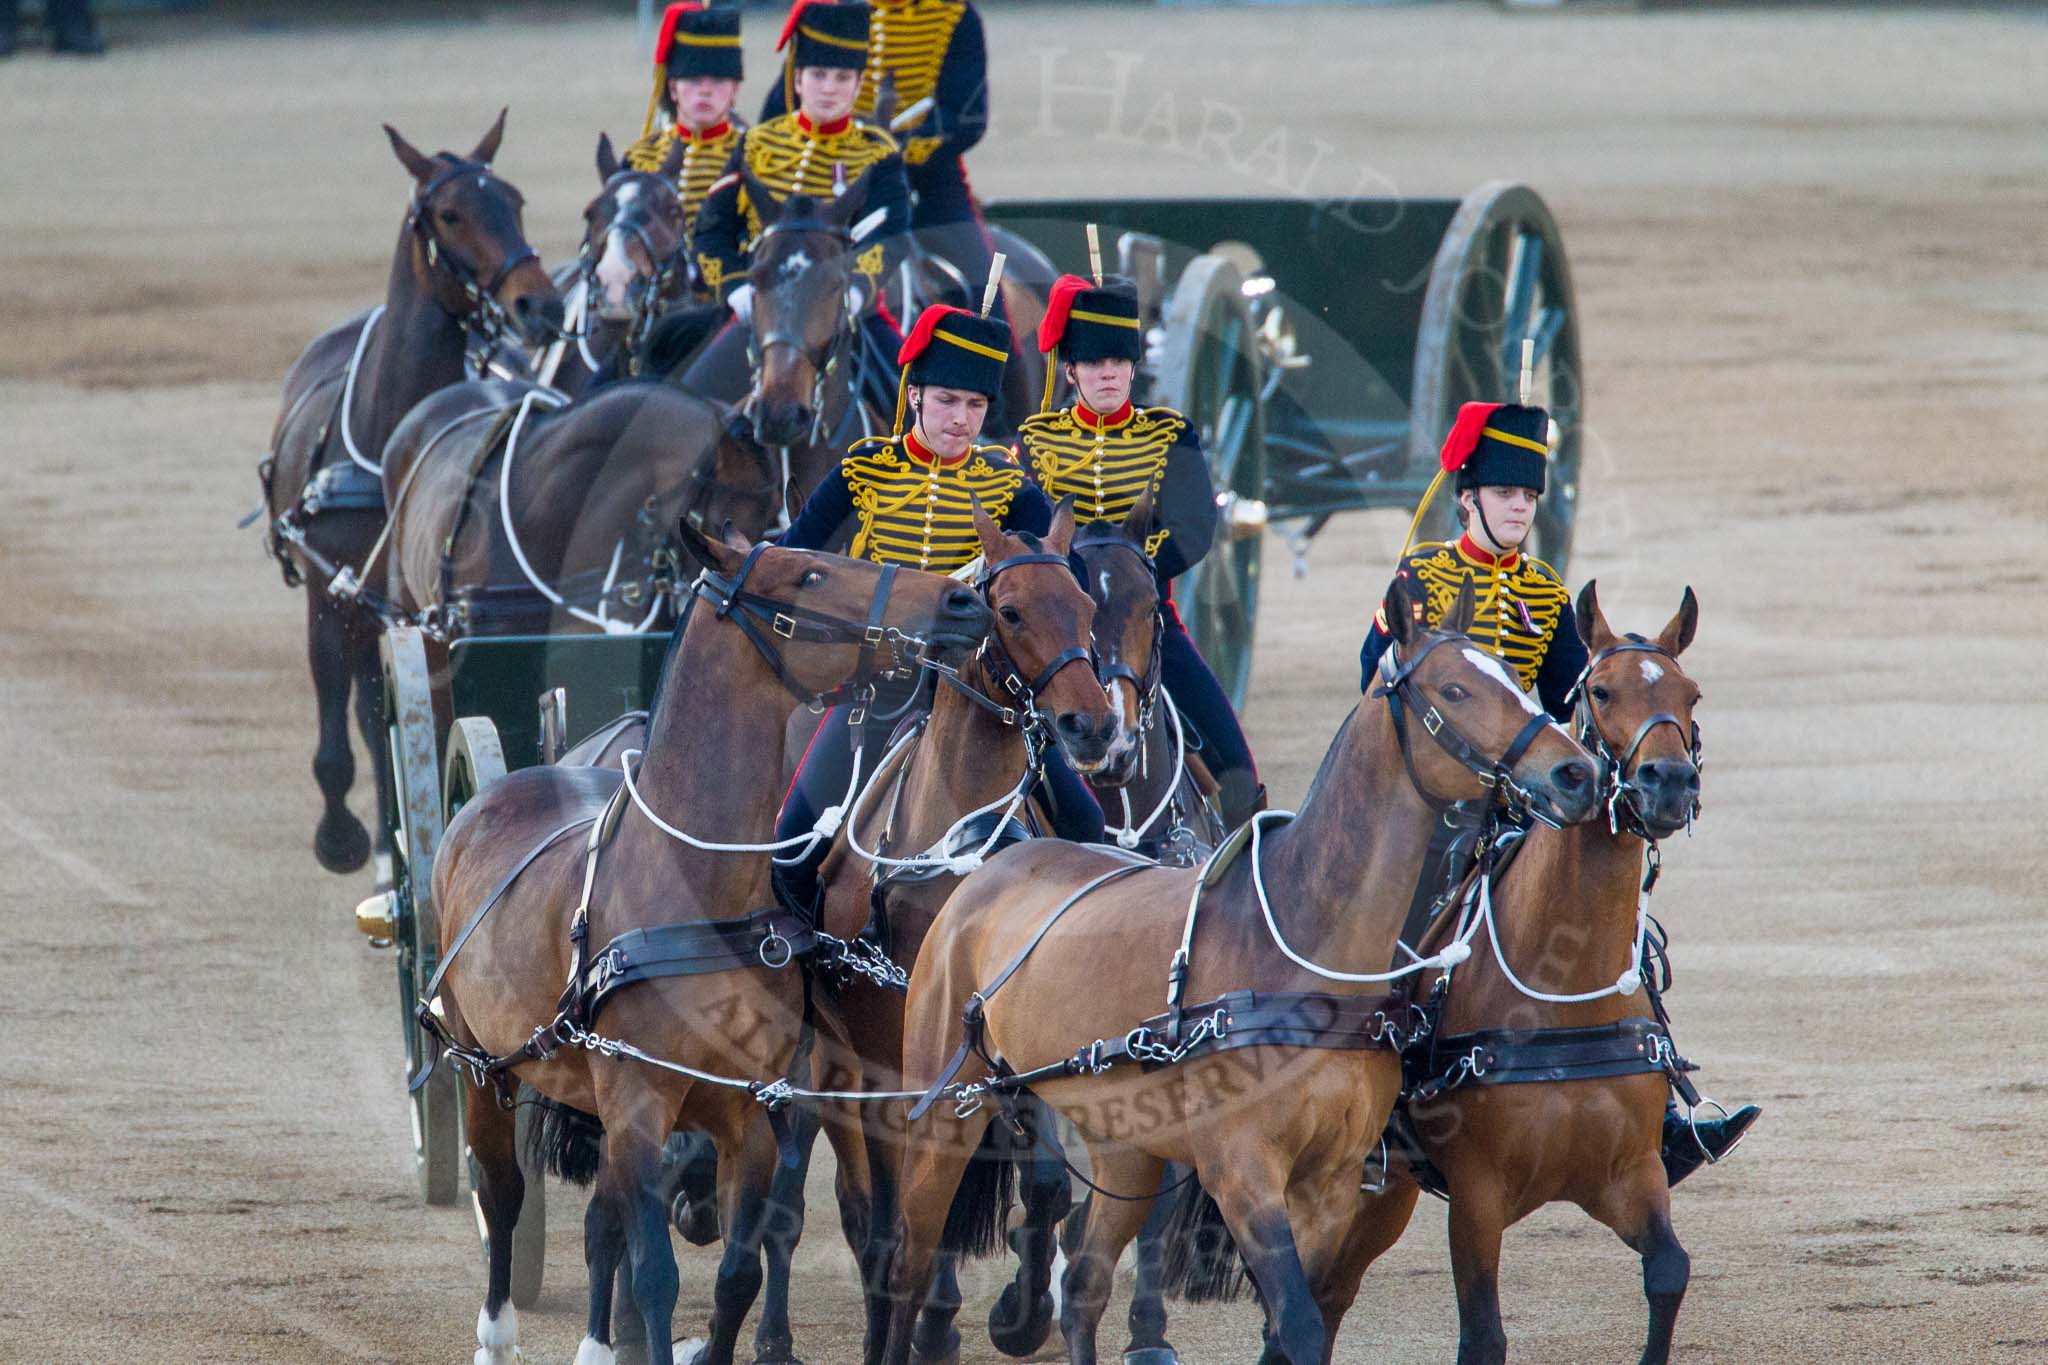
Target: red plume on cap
668 28
1464 437
921 335
796 14
1057 305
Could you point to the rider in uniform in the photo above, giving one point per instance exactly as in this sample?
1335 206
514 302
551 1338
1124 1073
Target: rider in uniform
696 79
929 50
1498 451
1107 454
910 498
817 151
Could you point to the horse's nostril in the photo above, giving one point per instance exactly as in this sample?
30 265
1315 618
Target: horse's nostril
1571 776
963 602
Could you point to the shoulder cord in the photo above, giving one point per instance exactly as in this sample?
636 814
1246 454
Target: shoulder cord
1129 834
555 402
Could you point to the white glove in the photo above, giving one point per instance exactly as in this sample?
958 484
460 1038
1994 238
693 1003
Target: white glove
741 301
855 298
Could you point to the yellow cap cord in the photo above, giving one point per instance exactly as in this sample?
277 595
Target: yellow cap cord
1052 375
1422 509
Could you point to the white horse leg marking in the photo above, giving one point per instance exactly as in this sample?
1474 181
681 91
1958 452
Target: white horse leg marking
497 1338
595 1352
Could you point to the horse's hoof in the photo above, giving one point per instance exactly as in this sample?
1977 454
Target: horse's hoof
1014 1334
693 1351
342 844
697 1223
1151 1355
948 1355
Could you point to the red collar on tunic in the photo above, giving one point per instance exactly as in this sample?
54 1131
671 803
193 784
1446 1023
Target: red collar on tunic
716 130
832 129
1091 421
924 454
1470 549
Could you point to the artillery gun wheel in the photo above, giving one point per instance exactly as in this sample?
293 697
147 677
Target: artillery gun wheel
416 821
1208 368
1500 276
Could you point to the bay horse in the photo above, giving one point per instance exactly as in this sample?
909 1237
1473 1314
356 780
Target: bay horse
514 510
1565 923
1274 1089
647 893
632 270
955 785
1152 791
462 275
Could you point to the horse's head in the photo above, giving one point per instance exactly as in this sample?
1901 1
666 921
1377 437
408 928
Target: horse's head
1037 655
823 621
1635 713
801 266
471 247
735 483
1466 729
1128 628
634 234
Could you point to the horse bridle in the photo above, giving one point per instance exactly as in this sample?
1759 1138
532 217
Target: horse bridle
1398 687
1616 770
1144 685
822 363
763 619
650 288
486 317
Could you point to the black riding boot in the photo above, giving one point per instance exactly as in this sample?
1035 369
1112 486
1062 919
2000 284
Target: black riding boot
1240 794
1688 1146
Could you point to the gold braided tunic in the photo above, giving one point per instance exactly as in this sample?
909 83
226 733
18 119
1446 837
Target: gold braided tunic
1106 464
791 155
705 156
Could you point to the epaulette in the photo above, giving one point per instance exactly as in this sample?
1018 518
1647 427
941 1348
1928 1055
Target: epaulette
1544 569
866 443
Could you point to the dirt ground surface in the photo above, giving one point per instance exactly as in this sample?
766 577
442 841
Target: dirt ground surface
1814 294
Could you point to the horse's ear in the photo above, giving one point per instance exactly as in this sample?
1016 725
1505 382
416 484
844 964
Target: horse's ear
886 100
1458 620
758 195
987 531
1138 521
1676 636
607 159
417 163
1592 622
1398 610
486 149
673 162
793 499
1059 537
714 555
847 209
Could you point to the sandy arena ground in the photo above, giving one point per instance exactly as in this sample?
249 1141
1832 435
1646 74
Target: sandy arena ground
1814 294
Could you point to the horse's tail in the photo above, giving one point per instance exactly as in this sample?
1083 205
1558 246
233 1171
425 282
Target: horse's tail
676 335
563 1141
976 1223
1202 1264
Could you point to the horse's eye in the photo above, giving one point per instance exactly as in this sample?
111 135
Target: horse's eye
450 217
1010 616
811 579
1598 694
1453 692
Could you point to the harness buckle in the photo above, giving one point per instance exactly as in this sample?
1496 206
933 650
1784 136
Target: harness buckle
773 958
873 636
783 625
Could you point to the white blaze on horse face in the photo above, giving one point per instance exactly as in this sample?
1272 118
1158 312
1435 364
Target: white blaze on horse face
1493 668
1104 597
615 269
796 263
1652 670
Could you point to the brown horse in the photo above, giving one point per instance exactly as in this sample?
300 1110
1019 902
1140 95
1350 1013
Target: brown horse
1151 793
512 510
462 273
1565 923
1277 1097
632 270
528 907
907 841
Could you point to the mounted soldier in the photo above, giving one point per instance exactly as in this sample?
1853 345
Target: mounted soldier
932 59
1107 454
910 498
697 71
817 152
1498 453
